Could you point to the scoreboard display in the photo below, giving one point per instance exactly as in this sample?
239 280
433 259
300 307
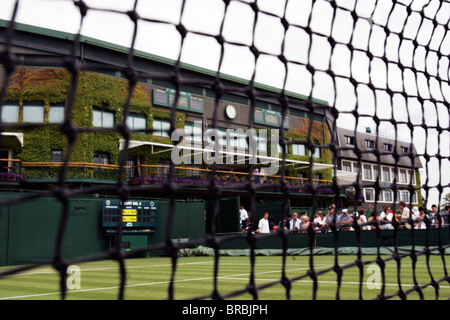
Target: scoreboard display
132 214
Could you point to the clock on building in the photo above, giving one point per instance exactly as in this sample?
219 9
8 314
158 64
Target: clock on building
230 111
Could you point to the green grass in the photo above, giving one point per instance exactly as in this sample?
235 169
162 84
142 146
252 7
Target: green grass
148 278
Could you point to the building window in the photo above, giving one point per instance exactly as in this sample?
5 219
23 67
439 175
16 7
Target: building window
261 143
298 150
413 177
367 172
217 134
193 173
404 196
33 113
10 112
238 140
375 172
370 144
347 166
101 158
349 140
103 119
136 122
56 114
405 149
316 153
388 147
414 198
386 174
163 167
161 127
193 131
131 167
387 195
186 101
56 156
403 176
369 195
280 149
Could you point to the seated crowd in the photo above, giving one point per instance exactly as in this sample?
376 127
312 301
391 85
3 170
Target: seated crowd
416 218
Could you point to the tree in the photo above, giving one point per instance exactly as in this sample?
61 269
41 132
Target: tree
445 202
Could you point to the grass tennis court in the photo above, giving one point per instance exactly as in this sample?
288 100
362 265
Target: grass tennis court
148 278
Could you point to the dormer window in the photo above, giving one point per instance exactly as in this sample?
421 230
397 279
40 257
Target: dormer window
388 147
349 140
370 144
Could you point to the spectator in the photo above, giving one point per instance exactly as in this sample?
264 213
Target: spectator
247 227
344 220
305 224
244 215
405 213
272 225
319 219
373 216
362 219
387 216
284 223
256 175
330 218
295 223
263 225
420 224
446 217
434 211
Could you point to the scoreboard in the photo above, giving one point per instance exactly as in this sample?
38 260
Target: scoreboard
132 214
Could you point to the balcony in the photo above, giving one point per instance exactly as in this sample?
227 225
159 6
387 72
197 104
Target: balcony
76 172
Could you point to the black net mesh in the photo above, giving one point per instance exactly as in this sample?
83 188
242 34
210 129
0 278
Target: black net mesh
407 42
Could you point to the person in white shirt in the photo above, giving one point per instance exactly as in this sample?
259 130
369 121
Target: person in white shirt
263 226
244 216
386 215
362 218
319 219
295 222
406 213
421 223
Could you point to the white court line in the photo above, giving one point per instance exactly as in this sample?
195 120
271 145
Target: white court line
111 268
137 285
335 282
229 277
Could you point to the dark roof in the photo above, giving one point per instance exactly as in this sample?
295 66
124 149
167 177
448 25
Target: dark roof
348 151
94 50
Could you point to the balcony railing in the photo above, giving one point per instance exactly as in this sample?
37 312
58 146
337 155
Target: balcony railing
152 174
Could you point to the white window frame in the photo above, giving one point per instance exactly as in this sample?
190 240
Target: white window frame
160 127
389 192
102 114
34 117
54 114
132 124
372 190
345 166
193 131
298 149
385 169
365 165
10 112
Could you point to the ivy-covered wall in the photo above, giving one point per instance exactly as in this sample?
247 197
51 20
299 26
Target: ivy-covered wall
101 92
319 136
51 86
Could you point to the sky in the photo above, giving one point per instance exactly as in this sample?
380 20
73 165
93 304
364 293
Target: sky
204 19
